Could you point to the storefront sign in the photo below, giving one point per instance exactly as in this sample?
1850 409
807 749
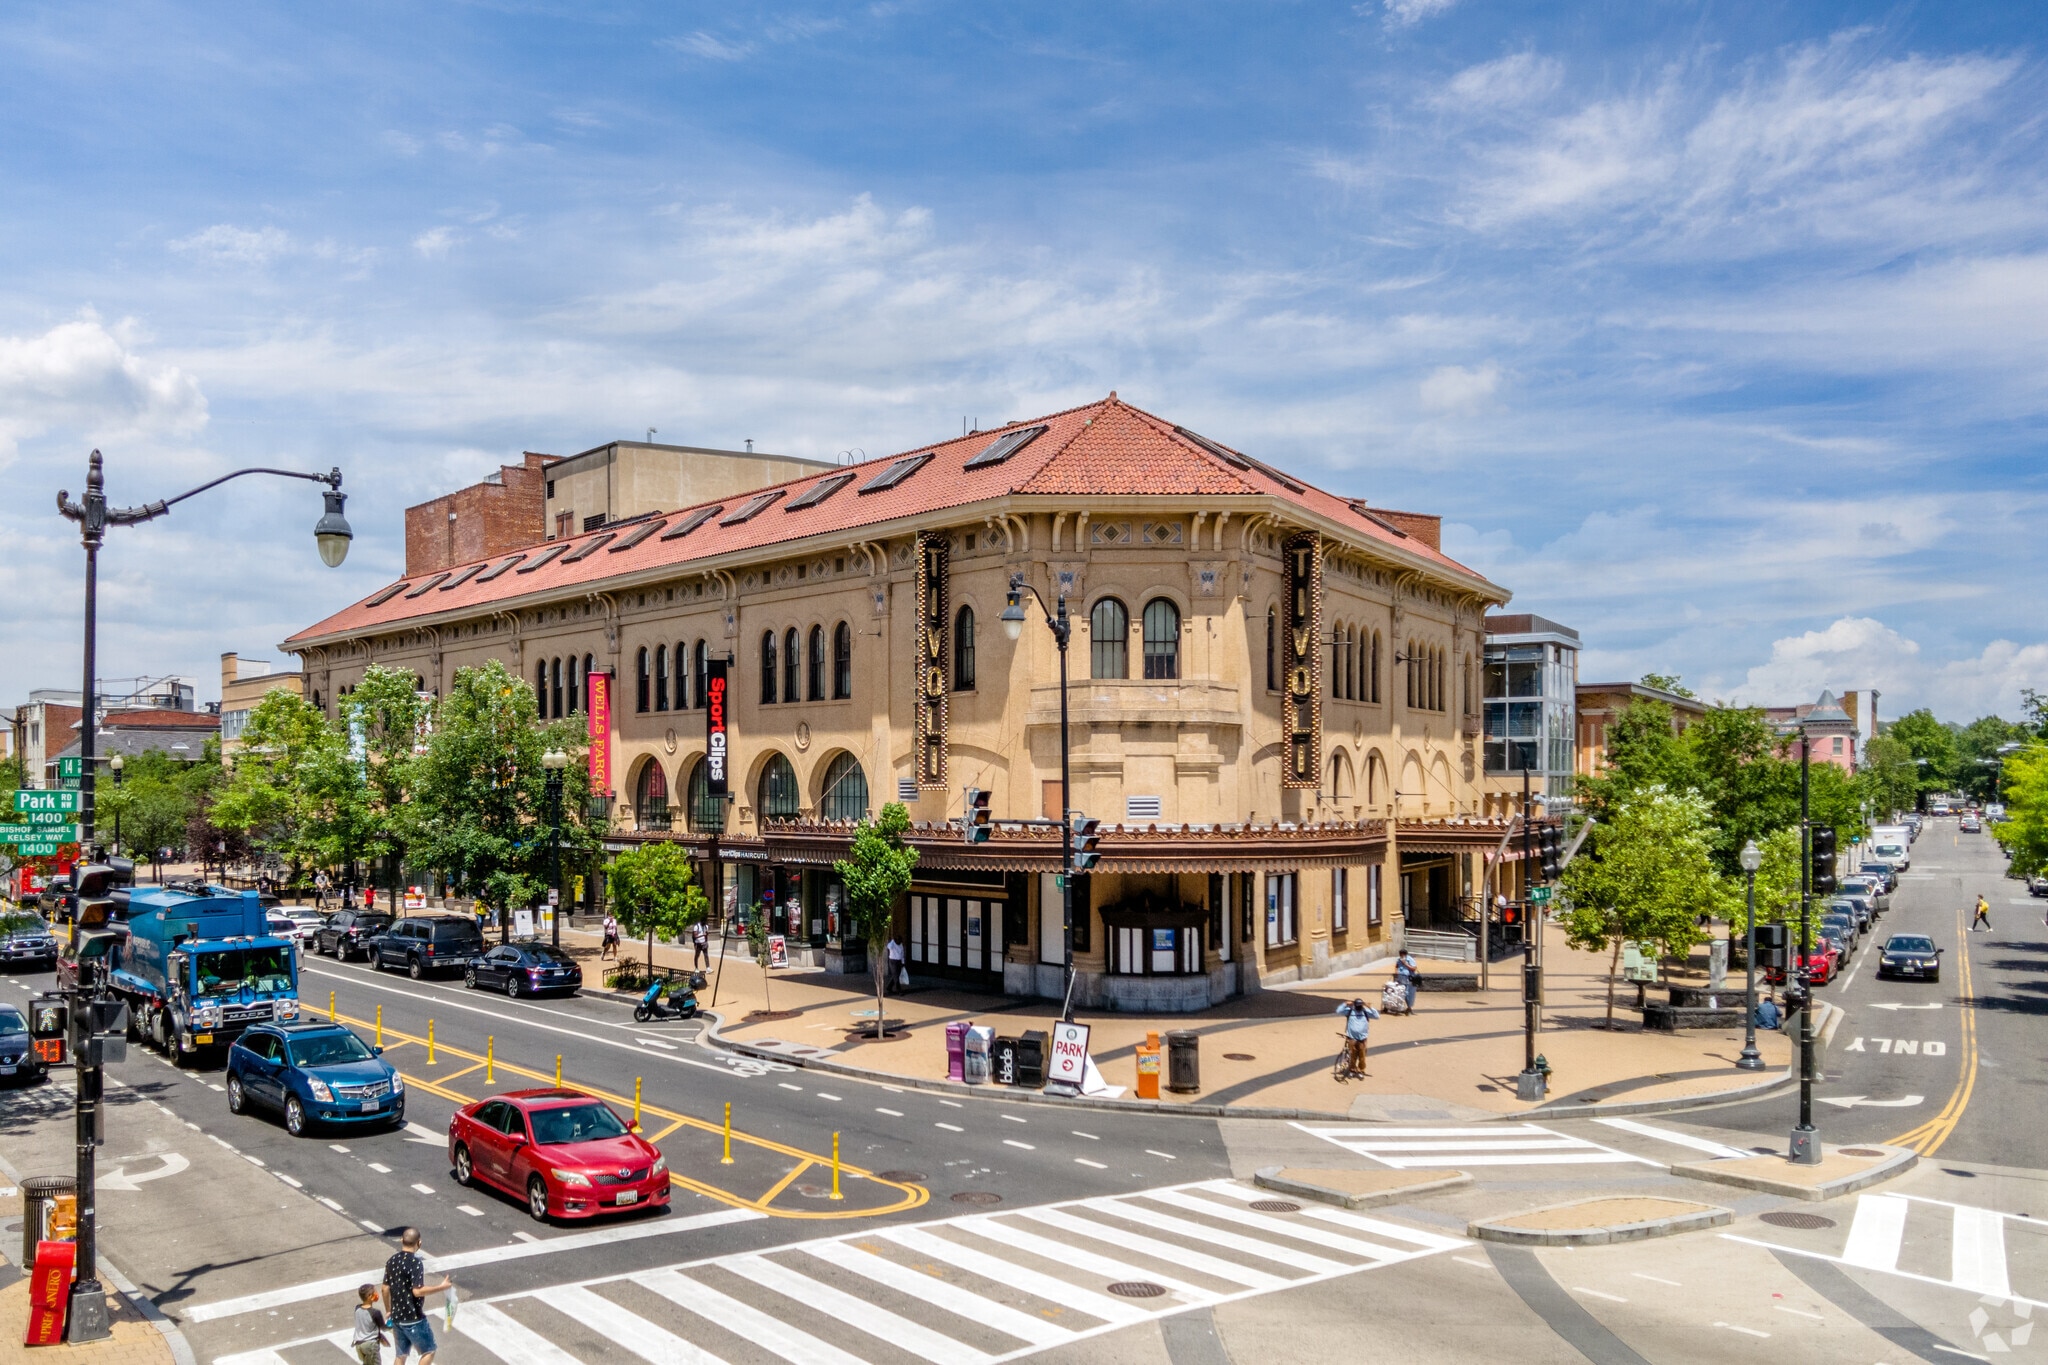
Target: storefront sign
714 726
1069 1062
1301 700
932 661
522 924
600 701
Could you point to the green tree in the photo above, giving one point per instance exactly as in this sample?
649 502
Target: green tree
2024 831
1649 879
1732 761
1889 778
654 893
1933 748
1668 682
1642 752
386 719
876 871
1978 762
294 789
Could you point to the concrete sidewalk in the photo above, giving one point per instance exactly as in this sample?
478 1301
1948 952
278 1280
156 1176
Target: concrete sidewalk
1455 1057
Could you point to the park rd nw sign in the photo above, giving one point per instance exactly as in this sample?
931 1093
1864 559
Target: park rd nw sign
45 802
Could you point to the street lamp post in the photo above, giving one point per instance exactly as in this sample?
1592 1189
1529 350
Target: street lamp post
1805 1146
554 760
117 763
1751 1059
87 1317
1061 627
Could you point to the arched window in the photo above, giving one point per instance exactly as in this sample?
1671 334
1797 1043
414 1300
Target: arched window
845 793
1373 676
703 658
706 812
1162 639
792 664
1436 680
814 661
640 698
775 796
1341 788
768 668
842 661
963 650
1109 640
575 689
590 663
1272 647
558 689
650 797
540 690
661 677
682 675
1337 662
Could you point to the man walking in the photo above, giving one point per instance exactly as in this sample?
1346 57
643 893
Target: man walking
609 945
1358 1017
1983 914
700 945
897 979
1406 974
405 1281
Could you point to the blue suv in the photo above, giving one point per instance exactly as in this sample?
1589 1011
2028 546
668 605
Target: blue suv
315 1072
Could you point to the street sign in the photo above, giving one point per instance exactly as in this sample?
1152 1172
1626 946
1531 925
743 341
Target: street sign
71 767
46 817
44 849
14 834
45 800
1539 895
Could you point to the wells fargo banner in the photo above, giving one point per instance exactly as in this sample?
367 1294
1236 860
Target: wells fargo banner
600 701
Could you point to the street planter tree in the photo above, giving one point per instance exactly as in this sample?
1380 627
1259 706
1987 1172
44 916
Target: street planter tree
654 894
876 871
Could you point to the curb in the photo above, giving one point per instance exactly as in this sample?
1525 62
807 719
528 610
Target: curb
1901 1160
1269 1177
1709 1217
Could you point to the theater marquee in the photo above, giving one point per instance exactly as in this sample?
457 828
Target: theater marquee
1302 700
932 661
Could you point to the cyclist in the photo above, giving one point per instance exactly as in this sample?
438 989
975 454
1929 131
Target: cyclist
1358 1017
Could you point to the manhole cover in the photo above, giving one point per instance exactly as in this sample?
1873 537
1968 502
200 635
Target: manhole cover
1797 1220
814 1191
1239 1057
1276 1206
1859 1151
977 1197
1137 1289
901 1177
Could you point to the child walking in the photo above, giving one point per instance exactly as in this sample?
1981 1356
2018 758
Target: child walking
369 1334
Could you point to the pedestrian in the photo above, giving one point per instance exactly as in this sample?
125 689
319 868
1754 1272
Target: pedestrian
1767 1015
405 1281
700 945
1407 974
609 947
369 1333
1358 1017
320 890
369 898
899 975
1983 914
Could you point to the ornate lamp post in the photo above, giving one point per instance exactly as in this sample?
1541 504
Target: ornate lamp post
1057 622
554 760
1751 1059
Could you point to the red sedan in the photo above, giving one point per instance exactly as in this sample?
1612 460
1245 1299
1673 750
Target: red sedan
1821 966
565 1152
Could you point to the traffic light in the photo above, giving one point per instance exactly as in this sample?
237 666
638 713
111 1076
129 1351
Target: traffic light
101 887
1087 838
1824 882
1772 946
1550 848
979 817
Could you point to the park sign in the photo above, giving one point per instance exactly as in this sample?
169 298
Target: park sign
44 802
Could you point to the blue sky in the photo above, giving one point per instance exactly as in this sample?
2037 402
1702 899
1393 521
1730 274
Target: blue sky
1715 330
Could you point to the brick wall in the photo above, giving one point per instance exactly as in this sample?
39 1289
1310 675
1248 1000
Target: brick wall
481 520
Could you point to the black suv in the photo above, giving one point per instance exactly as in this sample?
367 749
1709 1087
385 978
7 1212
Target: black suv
348 932
24 937
427 943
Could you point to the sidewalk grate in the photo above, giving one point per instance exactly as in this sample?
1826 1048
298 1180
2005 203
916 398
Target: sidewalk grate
977 1197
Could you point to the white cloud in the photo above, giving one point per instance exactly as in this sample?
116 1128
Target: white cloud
702 44
1403 13
1859 652
435 243
1512 80
87 378
1455 388
227 243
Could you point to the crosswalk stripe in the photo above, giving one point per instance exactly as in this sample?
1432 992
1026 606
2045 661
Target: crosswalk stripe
508 1339
1373 1134
764 1330
266 1356
1876 1232
1507 1144
995 1268
1525 1144
1230 1272
1692 1140
1275 1227
1080 1258
628 1329
1432 1241
940 1293
894 1328
1181 1227
1977 1254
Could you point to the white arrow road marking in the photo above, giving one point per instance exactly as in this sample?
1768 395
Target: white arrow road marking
1933 1006
425 1136
1853 1101
119 1179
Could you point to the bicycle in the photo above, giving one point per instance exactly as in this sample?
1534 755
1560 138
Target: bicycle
1343 1070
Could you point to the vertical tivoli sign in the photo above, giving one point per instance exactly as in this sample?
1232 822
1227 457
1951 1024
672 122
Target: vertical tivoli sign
932 660
1301 703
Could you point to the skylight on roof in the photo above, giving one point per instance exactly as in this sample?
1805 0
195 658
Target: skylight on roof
423 589
753 507
693 521
897 472
1221 452
590 547
819 491
638 534
462 576
385 596
502 565
1003 447
547 556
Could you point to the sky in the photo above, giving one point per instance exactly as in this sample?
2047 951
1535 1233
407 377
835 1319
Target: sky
1716 331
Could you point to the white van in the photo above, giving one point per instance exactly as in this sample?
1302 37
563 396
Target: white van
1888 846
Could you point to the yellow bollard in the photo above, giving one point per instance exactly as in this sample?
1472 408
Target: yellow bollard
835 1168
380 1026
330 1007
430 1042
491 1060
726 1160
558 1071
636 1101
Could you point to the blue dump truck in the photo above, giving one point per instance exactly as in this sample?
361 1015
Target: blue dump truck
197 967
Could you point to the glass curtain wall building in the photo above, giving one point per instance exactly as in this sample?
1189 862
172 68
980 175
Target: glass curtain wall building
1532 674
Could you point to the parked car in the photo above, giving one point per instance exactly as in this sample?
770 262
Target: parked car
1871 889
284 926
1858 906
1821 964
18 1059
1882 870
425 944
25 938
307 918
566 1153
1970 824
315 1072
525 968
2037 885
1911 955
346 933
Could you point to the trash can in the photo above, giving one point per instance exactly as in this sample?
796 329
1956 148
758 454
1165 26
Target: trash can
980 1039
1183 1062
1148 1073
49 1213
1031 1059
1003 1062
956 1051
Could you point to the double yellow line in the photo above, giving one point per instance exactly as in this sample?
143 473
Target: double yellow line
1928 1137
912 1196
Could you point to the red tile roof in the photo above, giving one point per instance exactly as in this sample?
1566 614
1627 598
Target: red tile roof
1103 449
